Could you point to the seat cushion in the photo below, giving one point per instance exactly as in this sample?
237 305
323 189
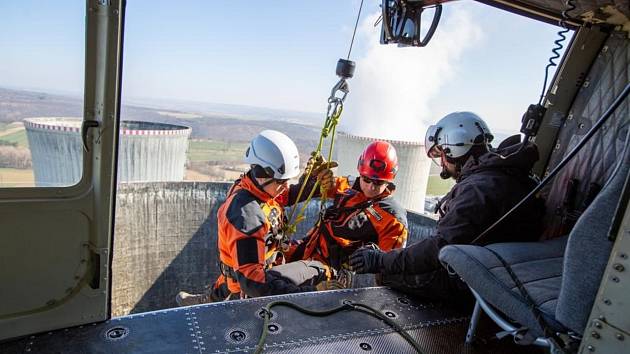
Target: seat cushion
538 265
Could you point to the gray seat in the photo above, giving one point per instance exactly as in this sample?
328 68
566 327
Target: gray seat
538 265
561 276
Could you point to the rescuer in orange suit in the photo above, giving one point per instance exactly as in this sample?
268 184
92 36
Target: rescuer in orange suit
363 212
251 243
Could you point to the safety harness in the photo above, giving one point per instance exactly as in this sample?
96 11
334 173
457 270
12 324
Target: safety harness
335 212
273 241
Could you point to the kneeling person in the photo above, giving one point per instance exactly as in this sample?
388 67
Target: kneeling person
363 212
250 221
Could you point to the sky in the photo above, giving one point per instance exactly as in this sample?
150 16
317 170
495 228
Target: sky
282 54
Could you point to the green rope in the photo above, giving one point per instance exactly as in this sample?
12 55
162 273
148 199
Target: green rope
347 305
330 126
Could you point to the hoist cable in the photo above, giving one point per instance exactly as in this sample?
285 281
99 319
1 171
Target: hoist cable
335 107
355 30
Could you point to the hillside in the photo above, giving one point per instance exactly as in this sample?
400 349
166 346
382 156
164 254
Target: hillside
217 144
16 105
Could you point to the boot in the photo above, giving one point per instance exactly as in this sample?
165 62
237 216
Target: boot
185 299
346 278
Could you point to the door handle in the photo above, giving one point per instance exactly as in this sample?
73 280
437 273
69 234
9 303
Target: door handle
87 124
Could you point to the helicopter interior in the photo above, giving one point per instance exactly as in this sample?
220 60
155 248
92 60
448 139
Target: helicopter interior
564 293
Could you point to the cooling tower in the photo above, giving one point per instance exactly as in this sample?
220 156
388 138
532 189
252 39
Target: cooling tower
413 173
181 252
148 152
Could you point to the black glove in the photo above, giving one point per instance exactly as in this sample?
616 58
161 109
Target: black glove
365 260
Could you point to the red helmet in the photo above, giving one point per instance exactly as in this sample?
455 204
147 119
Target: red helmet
379 161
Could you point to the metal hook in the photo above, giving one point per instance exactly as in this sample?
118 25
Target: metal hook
340 86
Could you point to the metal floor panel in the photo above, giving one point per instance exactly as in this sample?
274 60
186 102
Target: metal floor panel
235 326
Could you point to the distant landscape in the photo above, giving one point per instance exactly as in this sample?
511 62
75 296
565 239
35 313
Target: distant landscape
217 145
219 133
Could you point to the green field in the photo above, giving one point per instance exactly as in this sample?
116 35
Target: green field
438 186
211 150
198 150
11 177
18 137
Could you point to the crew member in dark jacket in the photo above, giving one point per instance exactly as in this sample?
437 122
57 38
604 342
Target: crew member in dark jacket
489 183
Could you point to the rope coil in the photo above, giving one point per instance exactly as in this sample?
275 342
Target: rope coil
346 306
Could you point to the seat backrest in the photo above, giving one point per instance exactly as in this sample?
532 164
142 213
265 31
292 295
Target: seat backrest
587 252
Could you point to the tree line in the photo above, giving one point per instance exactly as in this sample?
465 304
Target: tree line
12 156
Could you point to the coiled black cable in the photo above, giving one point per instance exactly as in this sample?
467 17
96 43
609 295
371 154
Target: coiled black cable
570 6
347 305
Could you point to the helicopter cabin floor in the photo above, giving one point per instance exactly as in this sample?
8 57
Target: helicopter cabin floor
235 326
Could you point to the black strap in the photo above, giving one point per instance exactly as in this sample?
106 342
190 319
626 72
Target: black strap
227 271
332 213
334 250
551 335
598 124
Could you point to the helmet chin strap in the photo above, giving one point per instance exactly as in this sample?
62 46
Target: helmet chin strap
446 174
266 183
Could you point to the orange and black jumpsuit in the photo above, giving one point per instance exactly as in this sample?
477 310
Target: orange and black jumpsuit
250 223
353 221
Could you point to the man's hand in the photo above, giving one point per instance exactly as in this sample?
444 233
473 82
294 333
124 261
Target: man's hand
365 260
326 180
317 163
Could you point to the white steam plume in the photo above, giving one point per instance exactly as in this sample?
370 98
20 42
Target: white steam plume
393 86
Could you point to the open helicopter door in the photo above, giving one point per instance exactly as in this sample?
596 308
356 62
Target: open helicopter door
55 243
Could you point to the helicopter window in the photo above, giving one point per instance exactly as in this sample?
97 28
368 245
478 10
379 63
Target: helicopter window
41 93
227 84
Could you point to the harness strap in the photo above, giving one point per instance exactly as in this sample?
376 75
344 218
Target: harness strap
554 339
227 271
331 213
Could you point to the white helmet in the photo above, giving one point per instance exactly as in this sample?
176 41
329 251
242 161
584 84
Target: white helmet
276 153
456 134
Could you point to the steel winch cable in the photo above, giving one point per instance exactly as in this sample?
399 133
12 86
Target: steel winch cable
346 306
356 24
345 70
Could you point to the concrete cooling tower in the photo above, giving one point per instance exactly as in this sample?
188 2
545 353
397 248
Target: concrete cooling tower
148 152
413 173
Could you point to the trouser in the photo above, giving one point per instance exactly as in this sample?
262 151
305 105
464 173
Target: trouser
220 291
437 285
302 272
